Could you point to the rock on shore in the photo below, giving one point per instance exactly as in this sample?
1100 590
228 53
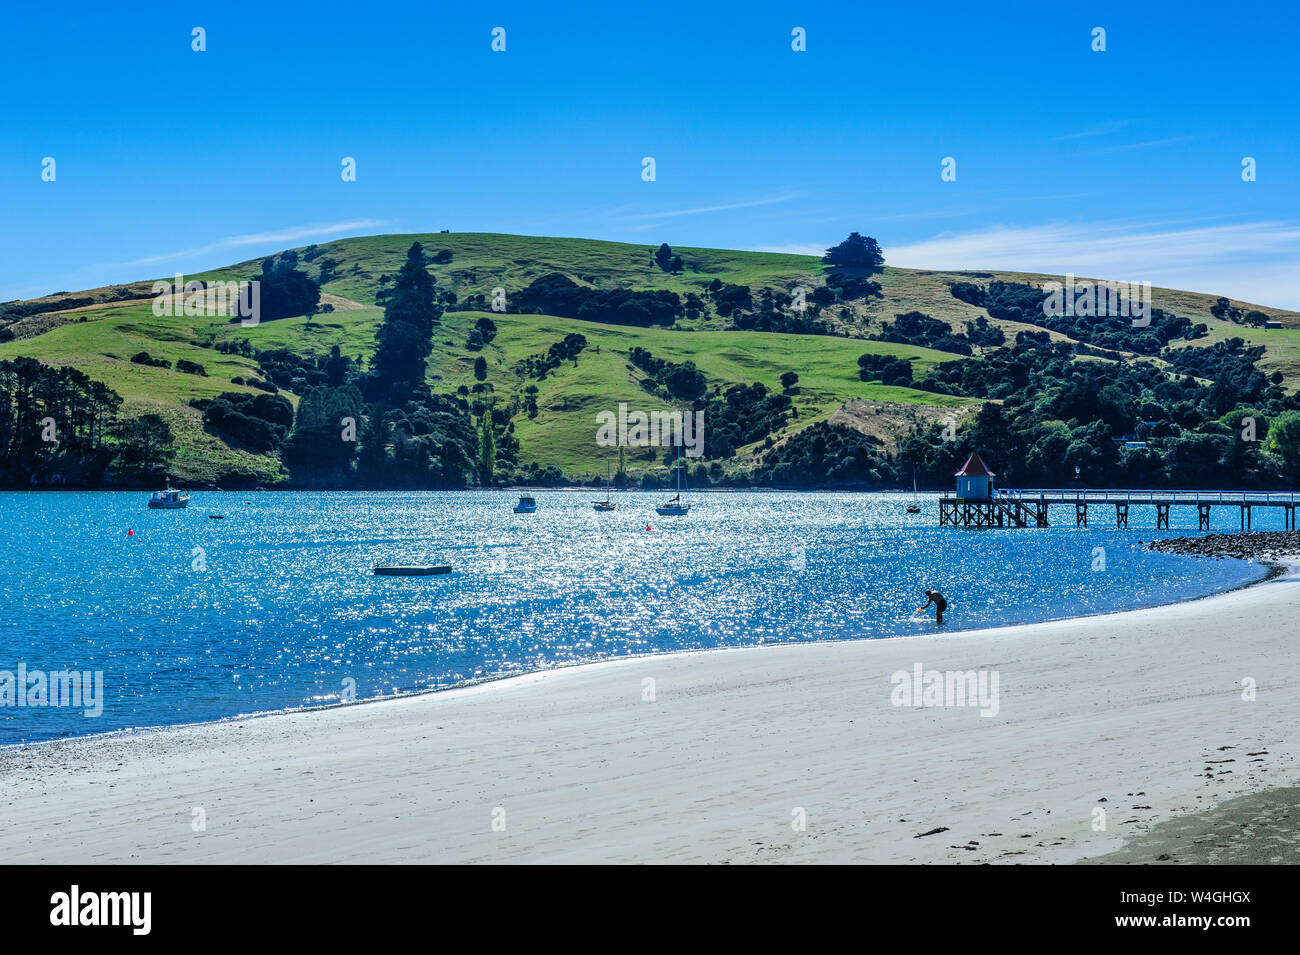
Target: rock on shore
1255 545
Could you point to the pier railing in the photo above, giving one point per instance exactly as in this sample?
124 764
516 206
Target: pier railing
1026 507
1112 496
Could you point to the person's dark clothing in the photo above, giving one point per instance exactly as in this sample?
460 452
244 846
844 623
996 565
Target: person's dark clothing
940 605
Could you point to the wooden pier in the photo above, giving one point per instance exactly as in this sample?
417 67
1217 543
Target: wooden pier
1008 507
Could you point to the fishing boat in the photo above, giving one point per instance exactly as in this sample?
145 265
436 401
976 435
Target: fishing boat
169 499
673 507
607 504
526 504
915 506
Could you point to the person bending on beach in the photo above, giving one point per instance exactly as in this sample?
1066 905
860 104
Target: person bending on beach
940 605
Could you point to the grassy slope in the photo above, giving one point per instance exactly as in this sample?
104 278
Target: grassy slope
100 340
570 397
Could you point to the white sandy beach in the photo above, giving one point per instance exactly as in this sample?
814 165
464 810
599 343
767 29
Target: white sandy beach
1142 709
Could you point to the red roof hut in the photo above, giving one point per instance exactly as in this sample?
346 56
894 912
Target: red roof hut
975 480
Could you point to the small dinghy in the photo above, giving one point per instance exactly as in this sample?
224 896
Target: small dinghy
413 570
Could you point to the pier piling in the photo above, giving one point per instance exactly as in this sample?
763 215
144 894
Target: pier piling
1023 508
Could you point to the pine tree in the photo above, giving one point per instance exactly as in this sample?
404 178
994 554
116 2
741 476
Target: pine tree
487 453
404 338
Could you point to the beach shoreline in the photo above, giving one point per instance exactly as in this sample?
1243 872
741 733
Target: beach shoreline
1272 569
597 766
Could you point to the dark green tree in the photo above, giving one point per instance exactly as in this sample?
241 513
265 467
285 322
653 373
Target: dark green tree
856 252
487 450
404 339
664 257
147 445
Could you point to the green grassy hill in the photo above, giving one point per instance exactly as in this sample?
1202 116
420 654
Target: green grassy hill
100 339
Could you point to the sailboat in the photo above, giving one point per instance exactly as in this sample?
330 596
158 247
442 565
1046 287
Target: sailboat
673 507
607 504
915 506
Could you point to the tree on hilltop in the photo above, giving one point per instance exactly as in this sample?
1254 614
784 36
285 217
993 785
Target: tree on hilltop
856 252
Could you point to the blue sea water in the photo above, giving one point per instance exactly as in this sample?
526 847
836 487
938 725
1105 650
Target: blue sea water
276 606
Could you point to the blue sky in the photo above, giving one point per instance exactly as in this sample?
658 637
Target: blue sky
1124 164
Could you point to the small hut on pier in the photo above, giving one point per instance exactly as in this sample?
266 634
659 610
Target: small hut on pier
975 480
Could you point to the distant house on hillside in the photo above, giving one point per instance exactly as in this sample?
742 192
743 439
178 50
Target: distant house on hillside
1272 324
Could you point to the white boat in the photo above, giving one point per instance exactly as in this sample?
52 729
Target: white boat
607 504
168 500
915 506
526 505
673 507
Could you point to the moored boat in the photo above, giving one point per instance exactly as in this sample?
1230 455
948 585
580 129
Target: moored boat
169 499
607 504
412 570
673 507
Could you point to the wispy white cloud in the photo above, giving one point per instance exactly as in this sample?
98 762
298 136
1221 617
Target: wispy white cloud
263 239
1253 261
1147 144
797 248
1048 198
1115 126
1104 129
724 207
948 213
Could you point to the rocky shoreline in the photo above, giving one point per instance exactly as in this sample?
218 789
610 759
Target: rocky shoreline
1255 545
